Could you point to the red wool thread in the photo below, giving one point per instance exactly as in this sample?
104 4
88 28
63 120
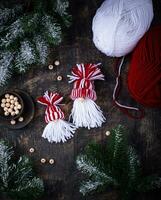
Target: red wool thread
144 77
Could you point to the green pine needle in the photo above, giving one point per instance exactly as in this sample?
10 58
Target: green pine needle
17 178
114 164
28 31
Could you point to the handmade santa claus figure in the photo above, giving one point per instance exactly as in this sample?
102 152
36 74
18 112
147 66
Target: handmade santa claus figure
57 129
85 112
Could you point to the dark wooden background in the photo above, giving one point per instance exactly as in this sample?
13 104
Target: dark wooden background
62 179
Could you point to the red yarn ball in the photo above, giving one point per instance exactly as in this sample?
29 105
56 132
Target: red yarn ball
144 76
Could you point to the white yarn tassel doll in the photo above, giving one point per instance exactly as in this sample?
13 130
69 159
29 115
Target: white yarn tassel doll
85 112
57 130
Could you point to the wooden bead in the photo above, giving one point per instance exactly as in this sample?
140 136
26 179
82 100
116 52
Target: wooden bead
13 122
11 97
51 67
3 105
6 113
15 108
16 103
15 99
5 109
7 95
17 112
59 78
12 106
51 161
7 105
12 101
57 62
8 100
13 113
32 150
19 106
21 119
107 133
10 110
43 160
3 100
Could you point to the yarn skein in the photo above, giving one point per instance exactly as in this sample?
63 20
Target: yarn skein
144 76
118 25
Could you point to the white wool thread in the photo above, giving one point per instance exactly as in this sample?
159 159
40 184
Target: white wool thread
116 86
86 113
118 25
58 131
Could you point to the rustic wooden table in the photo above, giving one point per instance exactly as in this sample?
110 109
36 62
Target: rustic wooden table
62 179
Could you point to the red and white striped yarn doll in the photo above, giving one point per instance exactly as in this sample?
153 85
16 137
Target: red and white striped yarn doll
85 112
57 130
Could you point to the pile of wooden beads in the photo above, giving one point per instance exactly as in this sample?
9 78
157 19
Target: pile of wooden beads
10 105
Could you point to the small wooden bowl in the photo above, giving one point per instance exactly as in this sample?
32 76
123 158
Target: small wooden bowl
2 116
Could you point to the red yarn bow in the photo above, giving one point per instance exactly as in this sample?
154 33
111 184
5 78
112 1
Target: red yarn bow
51 100
83 76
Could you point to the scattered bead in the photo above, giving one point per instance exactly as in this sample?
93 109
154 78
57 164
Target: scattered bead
51 161
59 78
57 62
50 67
21 119
13 122
107 133
31 150
43 160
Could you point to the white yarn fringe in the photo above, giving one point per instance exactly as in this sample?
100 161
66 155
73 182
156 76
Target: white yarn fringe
58 131
86 113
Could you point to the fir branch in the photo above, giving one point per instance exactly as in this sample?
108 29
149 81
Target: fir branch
52 30
17 179
117 165
25 57
42 49
149 183
41 24
6 59
8 14
90 186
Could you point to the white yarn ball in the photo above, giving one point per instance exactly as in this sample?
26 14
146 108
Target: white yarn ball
119 24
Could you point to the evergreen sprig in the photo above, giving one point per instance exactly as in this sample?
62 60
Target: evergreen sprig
115 165
17 178
27 31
